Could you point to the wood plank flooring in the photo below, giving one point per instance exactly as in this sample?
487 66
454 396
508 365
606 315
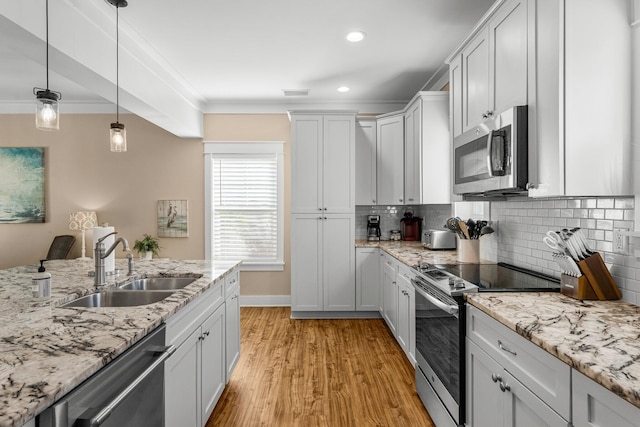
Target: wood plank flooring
318 373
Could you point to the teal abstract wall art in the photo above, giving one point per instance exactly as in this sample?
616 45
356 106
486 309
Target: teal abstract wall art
22 187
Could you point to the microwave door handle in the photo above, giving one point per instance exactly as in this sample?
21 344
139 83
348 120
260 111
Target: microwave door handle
489 153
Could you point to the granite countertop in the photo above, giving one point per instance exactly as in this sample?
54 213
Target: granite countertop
46 351
597 338
412 253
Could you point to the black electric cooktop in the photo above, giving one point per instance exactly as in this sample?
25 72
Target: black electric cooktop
502 277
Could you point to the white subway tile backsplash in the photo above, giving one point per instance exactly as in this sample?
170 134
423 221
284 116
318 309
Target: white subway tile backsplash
522 223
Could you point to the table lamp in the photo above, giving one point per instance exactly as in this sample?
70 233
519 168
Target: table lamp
83 220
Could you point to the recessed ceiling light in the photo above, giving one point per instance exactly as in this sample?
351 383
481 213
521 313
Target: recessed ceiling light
343 89
355 36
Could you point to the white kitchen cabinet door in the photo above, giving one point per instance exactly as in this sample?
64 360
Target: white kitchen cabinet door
455 95
181 373
508 56
523 408
390 296
306 262
232 329
367 279
306 165
338 262
338 164
322 163
434 185
413 152
475 80
366 161
406 328
390 160
595 406
212 362
484 398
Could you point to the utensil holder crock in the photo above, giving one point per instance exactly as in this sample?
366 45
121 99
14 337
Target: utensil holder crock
468 250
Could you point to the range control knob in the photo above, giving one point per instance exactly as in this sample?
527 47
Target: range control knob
452 281
458 284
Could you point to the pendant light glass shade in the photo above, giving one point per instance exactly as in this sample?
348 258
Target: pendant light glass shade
117 132
47 114
118 137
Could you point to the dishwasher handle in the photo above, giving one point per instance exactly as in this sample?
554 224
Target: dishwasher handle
104 413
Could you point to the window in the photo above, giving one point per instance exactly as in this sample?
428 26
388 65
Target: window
244 203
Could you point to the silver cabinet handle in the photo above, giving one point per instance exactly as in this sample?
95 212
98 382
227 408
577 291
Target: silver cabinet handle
504 386
411 200
400 200
319 209
324 209
503 348
373 201
495 378
108 409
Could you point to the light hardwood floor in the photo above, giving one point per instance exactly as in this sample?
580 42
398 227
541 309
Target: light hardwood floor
318 373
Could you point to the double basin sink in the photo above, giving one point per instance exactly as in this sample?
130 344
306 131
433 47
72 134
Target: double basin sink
134 293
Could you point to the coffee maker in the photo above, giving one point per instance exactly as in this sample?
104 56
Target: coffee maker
373 227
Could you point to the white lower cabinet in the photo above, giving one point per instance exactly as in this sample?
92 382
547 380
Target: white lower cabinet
367 279
390 293
595 406
232 323
510 381
406 331
398 303
323 262
206 334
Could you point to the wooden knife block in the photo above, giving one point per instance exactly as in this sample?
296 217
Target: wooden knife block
600 278
577 287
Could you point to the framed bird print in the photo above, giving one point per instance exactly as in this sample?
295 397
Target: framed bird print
173 218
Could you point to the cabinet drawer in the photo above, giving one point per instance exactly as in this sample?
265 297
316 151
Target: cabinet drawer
595 406
193 314
231 282
545 375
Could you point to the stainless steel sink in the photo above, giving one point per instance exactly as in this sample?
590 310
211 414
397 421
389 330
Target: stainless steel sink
119 299
158 283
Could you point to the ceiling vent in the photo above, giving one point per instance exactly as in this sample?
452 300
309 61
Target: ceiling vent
295 92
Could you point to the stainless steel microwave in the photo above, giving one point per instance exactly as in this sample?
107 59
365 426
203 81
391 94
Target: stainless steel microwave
492 157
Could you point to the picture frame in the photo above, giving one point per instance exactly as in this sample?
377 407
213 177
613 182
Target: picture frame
22 193
173 218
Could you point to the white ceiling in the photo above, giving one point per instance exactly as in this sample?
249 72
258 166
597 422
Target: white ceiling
239 55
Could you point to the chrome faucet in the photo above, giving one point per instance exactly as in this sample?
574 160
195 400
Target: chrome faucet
100 254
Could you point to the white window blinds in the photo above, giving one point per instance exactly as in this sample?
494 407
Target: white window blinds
244 199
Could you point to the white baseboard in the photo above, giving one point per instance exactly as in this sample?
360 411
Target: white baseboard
265 300
335 315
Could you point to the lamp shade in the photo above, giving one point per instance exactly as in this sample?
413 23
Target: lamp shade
83 220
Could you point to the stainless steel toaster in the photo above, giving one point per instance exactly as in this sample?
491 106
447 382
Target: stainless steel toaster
438 239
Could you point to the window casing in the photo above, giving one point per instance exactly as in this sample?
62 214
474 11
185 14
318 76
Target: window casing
244 191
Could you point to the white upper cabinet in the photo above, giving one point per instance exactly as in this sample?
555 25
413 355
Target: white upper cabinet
322 162
366 161
390 160
552 56
494 70
427 151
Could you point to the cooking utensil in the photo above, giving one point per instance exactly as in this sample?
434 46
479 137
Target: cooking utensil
464 228
452 224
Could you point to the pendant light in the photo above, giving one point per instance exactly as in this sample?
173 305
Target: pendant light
47 114
117 132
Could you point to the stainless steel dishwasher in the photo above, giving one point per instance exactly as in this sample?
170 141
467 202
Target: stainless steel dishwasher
127 392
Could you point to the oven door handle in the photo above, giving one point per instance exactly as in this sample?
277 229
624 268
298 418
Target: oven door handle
99 418
450 309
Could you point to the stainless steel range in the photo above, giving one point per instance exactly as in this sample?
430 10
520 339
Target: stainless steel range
440 328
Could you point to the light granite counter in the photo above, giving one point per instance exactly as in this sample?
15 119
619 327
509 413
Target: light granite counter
412 253
46 351
598 338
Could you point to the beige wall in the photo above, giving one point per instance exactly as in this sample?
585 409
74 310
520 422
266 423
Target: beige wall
259 127
124 188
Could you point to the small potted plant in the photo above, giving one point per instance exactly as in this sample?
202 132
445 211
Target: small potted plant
147 247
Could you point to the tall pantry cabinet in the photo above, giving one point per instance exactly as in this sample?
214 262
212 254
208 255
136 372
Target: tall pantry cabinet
322 211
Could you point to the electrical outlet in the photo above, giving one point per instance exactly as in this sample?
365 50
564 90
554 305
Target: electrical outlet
620 241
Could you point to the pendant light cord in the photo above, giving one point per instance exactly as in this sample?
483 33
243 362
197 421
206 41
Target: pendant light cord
47 37
117 65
